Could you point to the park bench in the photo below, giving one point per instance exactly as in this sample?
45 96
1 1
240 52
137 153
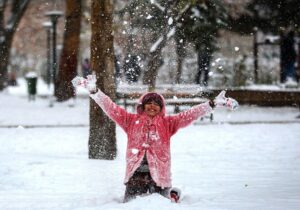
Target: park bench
179 101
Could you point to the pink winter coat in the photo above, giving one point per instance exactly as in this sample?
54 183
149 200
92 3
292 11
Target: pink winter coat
150 136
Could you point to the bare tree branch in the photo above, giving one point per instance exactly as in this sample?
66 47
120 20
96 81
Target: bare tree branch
18 9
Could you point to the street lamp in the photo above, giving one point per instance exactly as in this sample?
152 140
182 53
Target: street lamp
54 15
48 26
255 53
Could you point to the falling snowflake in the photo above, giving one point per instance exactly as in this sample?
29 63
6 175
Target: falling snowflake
218 60
170 21
149 17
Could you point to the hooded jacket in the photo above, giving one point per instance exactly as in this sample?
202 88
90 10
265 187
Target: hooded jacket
149 136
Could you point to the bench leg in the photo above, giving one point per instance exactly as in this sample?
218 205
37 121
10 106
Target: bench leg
176 109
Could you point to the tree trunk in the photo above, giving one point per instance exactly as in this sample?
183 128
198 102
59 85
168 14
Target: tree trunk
178 70
102 139
155 58
298 65
69 56
180 51
4 60
7 31
150 74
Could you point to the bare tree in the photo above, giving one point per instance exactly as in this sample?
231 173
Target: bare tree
69 56
155 55
181 53
102 139
172 14
8 27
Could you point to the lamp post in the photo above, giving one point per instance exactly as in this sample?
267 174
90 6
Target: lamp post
48 26
255 54
54 15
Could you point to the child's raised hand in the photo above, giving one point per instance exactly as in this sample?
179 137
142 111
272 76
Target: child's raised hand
89 83
222 101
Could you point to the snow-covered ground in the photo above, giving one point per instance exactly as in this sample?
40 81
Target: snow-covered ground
248 159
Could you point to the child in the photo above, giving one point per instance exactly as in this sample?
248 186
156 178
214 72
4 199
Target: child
149 131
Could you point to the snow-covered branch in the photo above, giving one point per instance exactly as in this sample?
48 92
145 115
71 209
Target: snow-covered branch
154 2
170 32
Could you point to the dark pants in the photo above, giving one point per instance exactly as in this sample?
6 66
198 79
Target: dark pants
289 71
141 183
203 68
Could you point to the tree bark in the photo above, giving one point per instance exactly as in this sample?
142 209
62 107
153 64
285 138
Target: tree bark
4 60
180 52
150 74
69 57
102 138
7 31
155 57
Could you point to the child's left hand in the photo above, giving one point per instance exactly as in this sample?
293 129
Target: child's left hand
222 101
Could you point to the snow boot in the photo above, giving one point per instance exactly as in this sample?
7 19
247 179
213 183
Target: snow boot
175 194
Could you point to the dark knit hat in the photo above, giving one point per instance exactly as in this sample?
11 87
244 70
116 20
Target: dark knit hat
152 97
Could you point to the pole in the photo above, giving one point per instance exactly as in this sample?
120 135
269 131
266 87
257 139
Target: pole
54 67
48 26
54 15
48 57
255 54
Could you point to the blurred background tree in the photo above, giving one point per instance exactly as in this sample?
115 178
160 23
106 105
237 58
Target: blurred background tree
267 16
193 21
200 26
8 26
69 55
278 17
102 138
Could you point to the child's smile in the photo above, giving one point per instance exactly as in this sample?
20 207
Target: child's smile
152 109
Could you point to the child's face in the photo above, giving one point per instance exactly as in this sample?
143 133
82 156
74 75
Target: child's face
152 108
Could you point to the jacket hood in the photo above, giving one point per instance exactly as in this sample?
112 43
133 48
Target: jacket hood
139 107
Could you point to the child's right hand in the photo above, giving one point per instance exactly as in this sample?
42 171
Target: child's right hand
89 83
